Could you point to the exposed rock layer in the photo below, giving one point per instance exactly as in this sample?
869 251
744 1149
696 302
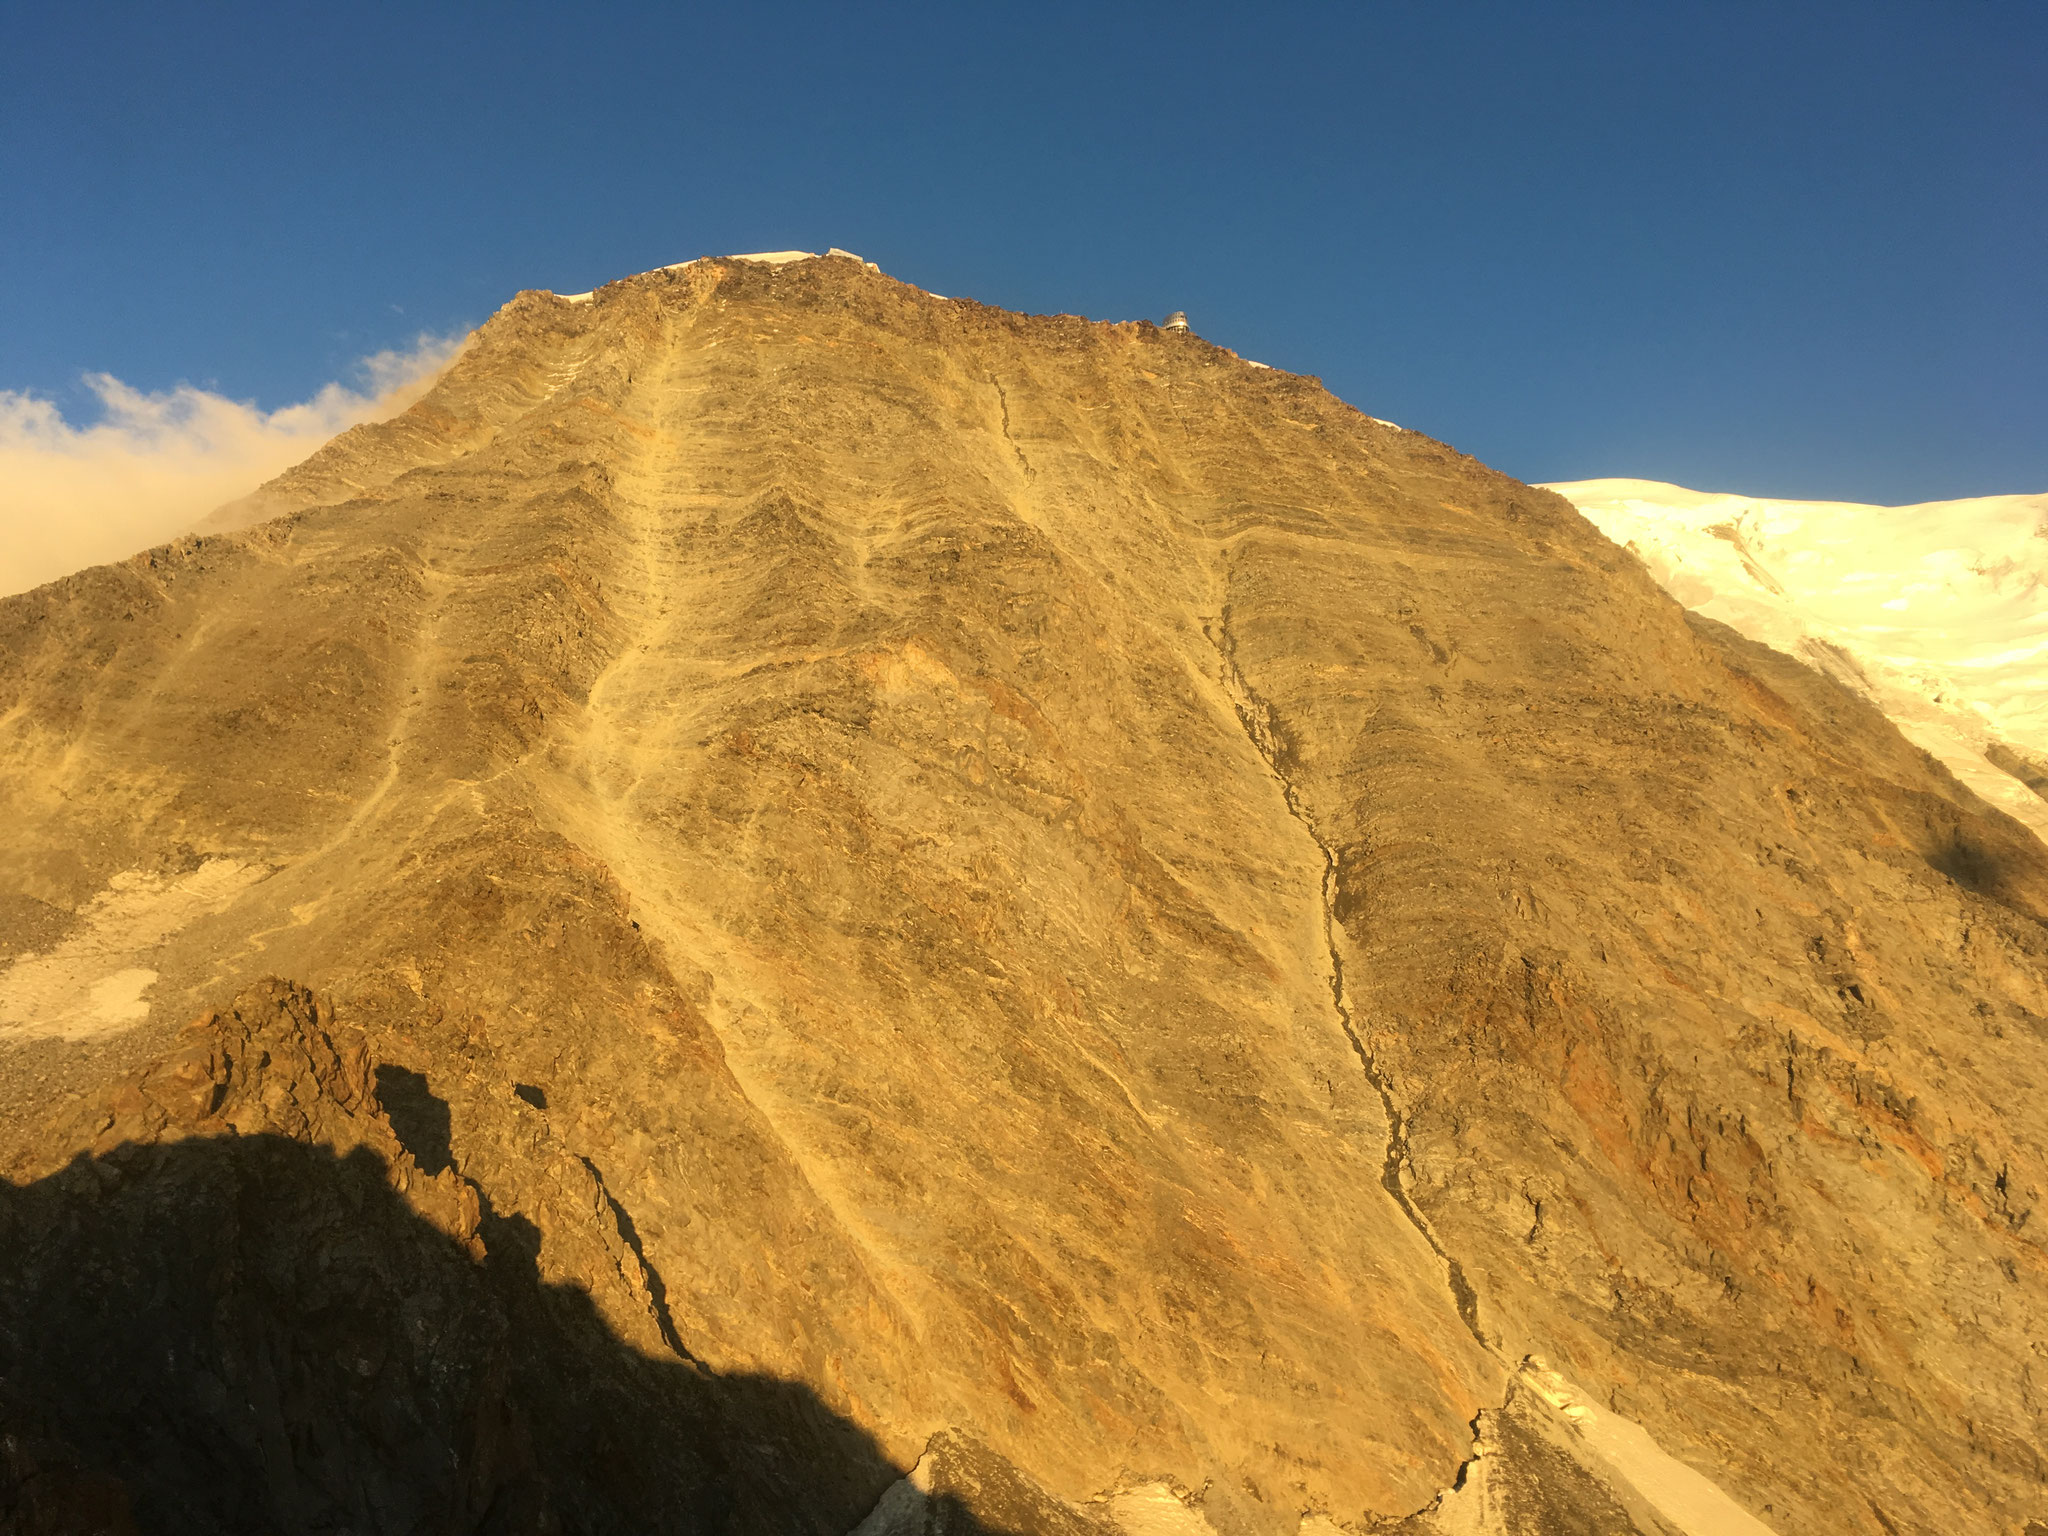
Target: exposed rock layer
1067 891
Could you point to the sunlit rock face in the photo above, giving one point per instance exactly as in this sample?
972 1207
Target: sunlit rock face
1125 944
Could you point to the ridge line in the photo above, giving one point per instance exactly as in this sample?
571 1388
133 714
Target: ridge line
650 1277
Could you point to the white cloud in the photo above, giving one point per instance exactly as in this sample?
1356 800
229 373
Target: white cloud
155 464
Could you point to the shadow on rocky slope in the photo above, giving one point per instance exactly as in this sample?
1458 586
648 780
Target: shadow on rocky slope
238 1331
247 1333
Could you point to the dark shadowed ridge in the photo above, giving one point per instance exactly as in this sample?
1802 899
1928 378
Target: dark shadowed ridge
241 1332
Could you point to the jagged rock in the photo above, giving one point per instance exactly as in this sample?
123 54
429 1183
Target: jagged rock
241 1305
1029 878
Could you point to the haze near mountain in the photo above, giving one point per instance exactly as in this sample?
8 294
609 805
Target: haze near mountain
895 888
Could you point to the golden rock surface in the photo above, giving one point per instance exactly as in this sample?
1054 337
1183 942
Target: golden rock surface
1078 898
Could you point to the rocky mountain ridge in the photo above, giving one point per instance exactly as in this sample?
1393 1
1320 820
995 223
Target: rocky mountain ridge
1130 935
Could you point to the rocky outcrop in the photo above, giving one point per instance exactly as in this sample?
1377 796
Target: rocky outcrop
1029 882
245 1303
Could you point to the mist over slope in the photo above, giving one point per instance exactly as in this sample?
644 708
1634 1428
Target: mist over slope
1063 923
155 464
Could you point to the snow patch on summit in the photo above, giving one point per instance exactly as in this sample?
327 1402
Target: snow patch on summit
92 982
1938 613
765 258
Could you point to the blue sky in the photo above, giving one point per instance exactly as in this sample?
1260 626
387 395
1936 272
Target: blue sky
1786 249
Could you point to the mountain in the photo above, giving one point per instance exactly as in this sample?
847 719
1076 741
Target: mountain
1936 613
792 905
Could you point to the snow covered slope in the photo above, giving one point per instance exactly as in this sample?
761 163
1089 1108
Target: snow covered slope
1938 612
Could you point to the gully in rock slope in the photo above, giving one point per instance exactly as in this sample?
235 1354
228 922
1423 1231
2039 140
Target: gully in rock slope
814 783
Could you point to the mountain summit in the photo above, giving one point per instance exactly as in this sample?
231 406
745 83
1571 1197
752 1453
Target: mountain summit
814 907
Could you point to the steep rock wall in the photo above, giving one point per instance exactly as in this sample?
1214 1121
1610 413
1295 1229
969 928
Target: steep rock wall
1071 890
